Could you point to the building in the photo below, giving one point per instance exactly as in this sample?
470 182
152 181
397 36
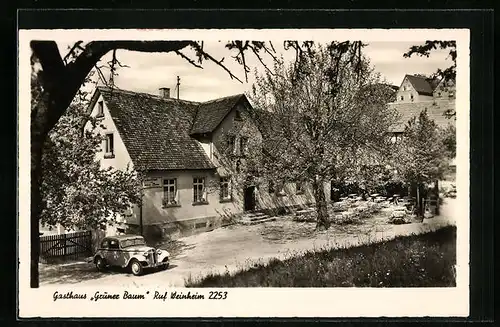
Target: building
177 145
416 88
418 93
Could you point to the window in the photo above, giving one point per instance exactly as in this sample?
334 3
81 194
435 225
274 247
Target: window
243 145
411 97
113 244
170 192
109 146
225 189
133 242
404 88
100 109
402 98
439 94
105 244
199 190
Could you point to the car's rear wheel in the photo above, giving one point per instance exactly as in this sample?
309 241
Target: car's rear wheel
100 263
135 267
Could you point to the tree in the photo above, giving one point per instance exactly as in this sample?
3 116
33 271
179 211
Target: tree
448 74
56 80
449 137
320 118
420 156
76 192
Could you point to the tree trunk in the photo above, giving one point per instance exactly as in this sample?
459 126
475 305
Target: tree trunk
39 131
321 204
436 195
36 200
421 195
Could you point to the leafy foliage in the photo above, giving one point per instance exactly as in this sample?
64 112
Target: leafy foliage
448 74
425 50
421 156
321 117
449 137
76 192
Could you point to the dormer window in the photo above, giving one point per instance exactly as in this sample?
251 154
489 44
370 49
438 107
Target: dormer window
100 109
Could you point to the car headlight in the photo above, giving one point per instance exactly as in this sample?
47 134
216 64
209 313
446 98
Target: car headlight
158 251
145 254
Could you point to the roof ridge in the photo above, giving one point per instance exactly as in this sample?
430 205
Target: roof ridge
107 88
223 98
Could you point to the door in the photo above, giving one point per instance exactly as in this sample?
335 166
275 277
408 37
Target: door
113 252
249 198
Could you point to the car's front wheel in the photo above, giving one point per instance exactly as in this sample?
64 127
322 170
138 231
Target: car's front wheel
100 263
165 265
136 267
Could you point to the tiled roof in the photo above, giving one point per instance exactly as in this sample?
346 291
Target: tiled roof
422 85
211 113
436 110
156 130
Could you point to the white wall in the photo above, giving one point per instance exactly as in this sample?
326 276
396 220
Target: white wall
121 158
406 90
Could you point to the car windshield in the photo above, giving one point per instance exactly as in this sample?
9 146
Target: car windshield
132 242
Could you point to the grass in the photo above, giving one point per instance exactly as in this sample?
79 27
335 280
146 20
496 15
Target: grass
426 260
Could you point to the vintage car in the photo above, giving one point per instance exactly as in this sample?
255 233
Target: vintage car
129 251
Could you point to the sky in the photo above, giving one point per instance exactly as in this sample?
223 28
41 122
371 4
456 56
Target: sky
147 72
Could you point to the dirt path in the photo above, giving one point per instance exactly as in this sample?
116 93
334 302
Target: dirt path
236 247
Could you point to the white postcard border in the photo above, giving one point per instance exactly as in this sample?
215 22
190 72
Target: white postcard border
255 302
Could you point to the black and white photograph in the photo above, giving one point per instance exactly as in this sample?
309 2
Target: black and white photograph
246 172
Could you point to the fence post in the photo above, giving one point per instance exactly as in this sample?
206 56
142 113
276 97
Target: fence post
64 248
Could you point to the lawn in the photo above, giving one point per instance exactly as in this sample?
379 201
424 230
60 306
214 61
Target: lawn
426 260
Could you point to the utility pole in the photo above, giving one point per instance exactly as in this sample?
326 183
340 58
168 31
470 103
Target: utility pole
178 85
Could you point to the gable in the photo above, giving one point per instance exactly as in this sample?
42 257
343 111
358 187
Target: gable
406 85
210 114
105 124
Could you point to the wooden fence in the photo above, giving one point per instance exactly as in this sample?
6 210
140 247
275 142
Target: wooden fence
71 246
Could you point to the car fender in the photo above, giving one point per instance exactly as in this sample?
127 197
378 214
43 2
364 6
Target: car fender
139 258
97 254
164 254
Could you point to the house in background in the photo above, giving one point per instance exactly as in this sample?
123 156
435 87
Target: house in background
418 93
177 145
416 88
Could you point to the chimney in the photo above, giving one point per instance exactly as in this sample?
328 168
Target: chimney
164 92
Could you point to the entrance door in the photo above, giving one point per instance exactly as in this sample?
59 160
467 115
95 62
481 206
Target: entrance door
249 198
